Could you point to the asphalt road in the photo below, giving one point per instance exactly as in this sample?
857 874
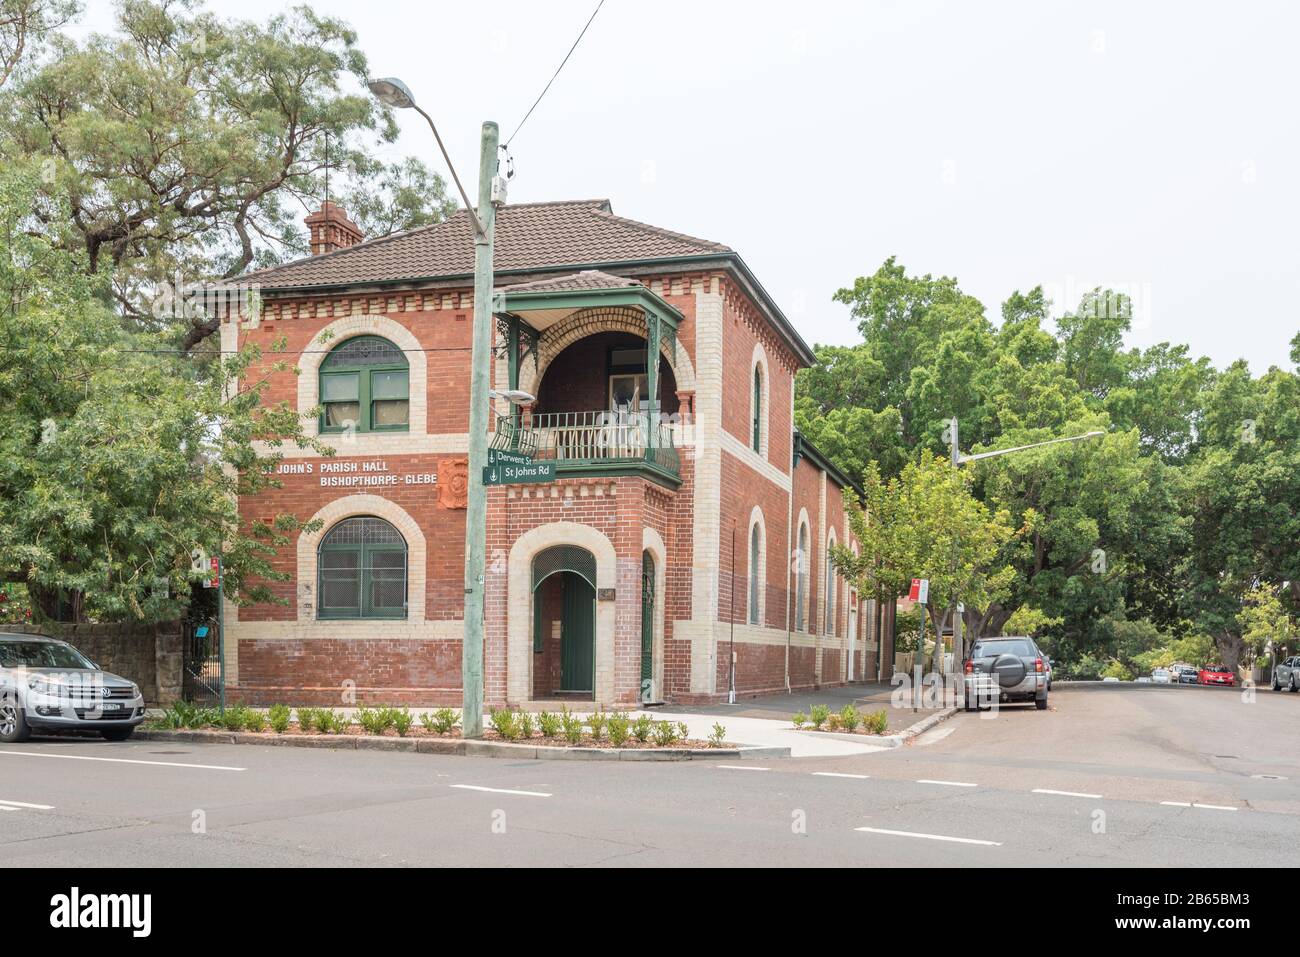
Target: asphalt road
1108 776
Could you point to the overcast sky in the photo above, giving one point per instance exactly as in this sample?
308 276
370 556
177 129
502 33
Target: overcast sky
1152 146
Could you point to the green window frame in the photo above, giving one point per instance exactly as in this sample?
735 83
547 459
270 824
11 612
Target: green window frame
365 381
362 571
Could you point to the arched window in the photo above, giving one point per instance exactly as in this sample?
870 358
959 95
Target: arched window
362 573
365 386
755 578
801 582
832 619
756 433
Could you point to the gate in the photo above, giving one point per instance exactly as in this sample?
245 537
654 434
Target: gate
203 676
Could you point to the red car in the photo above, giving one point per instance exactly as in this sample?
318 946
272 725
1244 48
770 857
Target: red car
1215 675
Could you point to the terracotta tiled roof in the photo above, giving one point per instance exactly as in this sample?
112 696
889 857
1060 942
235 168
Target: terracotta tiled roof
587 279
528 236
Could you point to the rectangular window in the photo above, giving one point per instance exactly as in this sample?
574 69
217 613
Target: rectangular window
340 584
341 396
390 406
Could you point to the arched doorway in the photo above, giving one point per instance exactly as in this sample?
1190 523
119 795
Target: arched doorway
647 626
564 622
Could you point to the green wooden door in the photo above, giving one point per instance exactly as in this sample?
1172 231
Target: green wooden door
578 635
647 625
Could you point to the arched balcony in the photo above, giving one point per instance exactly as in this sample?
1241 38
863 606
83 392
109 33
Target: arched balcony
606 392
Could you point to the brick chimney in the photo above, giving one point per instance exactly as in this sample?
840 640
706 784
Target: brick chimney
331 229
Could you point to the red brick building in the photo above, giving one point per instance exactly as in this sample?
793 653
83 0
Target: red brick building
686 517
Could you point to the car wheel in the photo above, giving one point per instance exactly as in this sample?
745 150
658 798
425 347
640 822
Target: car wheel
1292 688
13 726
117 734
1041 703
1276 686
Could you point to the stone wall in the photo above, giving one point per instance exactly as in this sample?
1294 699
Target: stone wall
148 654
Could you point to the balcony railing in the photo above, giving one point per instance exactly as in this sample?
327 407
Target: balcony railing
588 440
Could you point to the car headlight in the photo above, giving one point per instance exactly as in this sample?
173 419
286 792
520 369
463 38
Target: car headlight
135 690
47 685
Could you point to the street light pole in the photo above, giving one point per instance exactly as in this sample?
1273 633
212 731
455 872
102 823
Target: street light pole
476 517
395 93
958 459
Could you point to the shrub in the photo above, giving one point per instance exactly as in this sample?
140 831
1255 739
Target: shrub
832 722
571 726
504 723
525 724
550 724
377 720
799 720
207 718
254 720
683 732
332 722
232 719
279 716
442 721
820 713
306 719
664 734
402 721
597 722
642 728
719 735
850 717
619 727
876 721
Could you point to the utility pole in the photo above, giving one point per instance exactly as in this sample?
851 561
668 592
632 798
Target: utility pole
476 518
395 93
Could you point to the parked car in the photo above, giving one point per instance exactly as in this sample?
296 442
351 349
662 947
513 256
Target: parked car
1216 675
1143 680
1008 669
1186 674
48 685
1162 676
1287 674
1110 679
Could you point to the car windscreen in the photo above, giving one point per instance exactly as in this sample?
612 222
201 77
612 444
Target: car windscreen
1009 646
40 654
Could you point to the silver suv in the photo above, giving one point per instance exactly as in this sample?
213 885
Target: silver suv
1286 674
1006 669
47 685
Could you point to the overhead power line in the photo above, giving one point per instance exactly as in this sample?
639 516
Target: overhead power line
557 73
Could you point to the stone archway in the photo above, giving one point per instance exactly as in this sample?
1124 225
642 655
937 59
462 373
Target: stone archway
589 322
519 612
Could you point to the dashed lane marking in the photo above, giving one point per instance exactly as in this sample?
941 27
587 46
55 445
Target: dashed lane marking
15 805
1068 794
86 757
478 787
930 837
742 767
838 774
948 784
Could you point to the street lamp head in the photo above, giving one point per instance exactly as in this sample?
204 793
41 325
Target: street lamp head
392 92
513 396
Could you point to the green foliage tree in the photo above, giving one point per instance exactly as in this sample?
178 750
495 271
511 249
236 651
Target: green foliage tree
117 461
190 145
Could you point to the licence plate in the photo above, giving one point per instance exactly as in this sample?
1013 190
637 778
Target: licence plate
111 706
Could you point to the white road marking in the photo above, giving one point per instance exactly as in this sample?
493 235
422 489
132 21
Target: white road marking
477 787
1215 807
934 736
949 784
930 837
2 808
1176 803
14 805
742 767
837 774
84 757
1068 794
